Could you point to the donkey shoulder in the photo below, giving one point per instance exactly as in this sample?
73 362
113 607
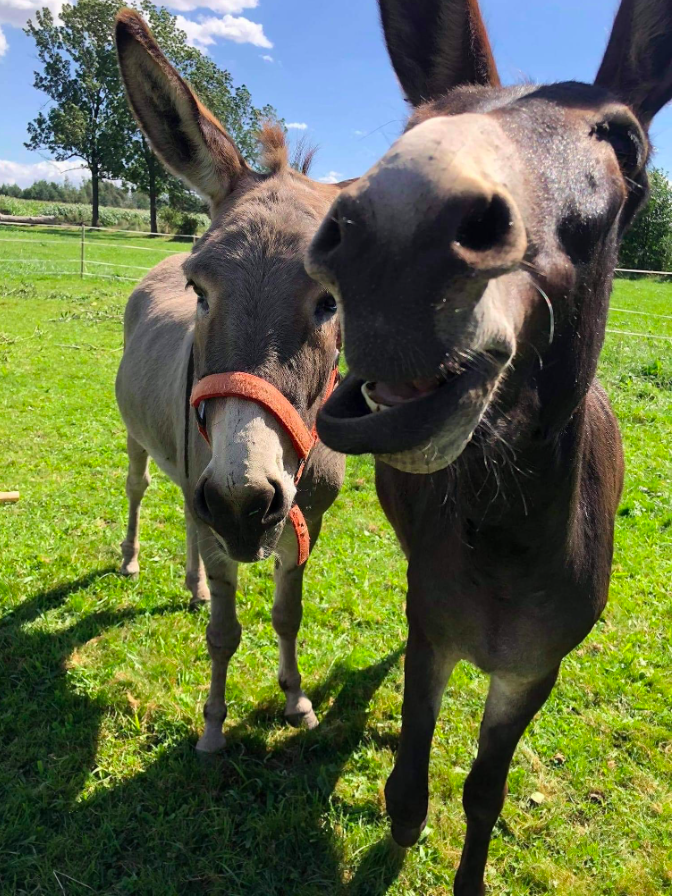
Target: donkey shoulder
151 378
160 298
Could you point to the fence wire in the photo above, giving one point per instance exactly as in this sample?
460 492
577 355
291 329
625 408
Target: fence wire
84 248
81 246
78 227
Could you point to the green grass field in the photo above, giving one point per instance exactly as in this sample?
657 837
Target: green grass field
104 679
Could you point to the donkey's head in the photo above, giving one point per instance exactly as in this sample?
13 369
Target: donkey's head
256 310
480 249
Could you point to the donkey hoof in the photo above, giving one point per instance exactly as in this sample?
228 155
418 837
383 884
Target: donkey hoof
197 602
210 744
302 719
406 837
131 569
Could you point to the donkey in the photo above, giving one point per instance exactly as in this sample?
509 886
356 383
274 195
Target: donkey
237 329
472 267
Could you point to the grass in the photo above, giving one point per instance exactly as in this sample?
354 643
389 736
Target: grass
104 679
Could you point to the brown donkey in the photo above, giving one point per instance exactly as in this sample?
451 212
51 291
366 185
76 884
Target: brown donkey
237 317
472 267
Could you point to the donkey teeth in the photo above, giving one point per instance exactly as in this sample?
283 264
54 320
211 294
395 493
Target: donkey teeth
373 406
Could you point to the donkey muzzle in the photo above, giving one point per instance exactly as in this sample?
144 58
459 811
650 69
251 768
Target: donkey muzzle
247 518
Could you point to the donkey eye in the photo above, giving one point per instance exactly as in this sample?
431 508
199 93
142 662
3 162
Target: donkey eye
625 142
201 413
325 308
200 295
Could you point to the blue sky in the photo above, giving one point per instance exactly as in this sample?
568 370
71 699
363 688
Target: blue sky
324 65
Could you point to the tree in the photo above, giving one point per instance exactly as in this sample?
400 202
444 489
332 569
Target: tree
109 194
90 119
647 244
138 167
11 190
231 105
80 75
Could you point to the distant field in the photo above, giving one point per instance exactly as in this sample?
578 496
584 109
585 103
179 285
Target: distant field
104 679
80 213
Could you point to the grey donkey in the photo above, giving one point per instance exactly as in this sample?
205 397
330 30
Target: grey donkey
240 303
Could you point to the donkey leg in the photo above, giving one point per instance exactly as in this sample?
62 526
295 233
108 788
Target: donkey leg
137 480
195 577
223 636
510 706
427 668
286 617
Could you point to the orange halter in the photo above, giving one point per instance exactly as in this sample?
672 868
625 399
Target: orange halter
253 388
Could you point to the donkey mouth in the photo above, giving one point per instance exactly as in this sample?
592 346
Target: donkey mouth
381 395
241 550
420 425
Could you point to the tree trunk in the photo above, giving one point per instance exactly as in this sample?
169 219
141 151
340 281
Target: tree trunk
94 196
154 227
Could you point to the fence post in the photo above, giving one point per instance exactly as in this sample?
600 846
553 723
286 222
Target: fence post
81 261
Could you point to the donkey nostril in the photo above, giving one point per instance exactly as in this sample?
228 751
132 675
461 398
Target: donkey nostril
276 509
485 227
201 502
328 236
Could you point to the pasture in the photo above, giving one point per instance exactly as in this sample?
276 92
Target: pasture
103 679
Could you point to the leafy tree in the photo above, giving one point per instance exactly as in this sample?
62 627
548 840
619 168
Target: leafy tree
647 244
80 75
89 118
11 190
232 105
109 194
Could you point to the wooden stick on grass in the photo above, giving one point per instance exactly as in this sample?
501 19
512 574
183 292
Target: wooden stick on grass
9 497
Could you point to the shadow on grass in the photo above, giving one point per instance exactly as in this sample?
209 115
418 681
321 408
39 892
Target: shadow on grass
262 819
49 732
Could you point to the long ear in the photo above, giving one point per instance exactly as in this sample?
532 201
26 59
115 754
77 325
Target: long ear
183 133
637 62
436 45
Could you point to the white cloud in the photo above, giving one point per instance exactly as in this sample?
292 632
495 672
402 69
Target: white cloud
17 12
296 126
26 173
332 177
267 58
221 6
359 133
203 33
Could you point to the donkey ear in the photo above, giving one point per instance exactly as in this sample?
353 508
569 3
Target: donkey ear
436 45
637 62
183 133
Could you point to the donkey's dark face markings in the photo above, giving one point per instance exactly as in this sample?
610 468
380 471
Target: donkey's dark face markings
472 267
495 210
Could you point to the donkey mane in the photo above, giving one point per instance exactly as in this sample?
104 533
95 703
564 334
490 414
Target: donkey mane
275 153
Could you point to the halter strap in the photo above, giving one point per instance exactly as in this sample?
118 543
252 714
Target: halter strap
253 388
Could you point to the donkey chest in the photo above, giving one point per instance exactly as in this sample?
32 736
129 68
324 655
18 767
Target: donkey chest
500 599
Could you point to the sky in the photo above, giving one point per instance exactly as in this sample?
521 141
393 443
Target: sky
325 69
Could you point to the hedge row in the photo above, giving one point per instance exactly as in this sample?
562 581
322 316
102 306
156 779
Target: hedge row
71 213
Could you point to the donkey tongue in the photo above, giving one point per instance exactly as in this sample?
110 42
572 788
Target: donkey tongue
397 393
